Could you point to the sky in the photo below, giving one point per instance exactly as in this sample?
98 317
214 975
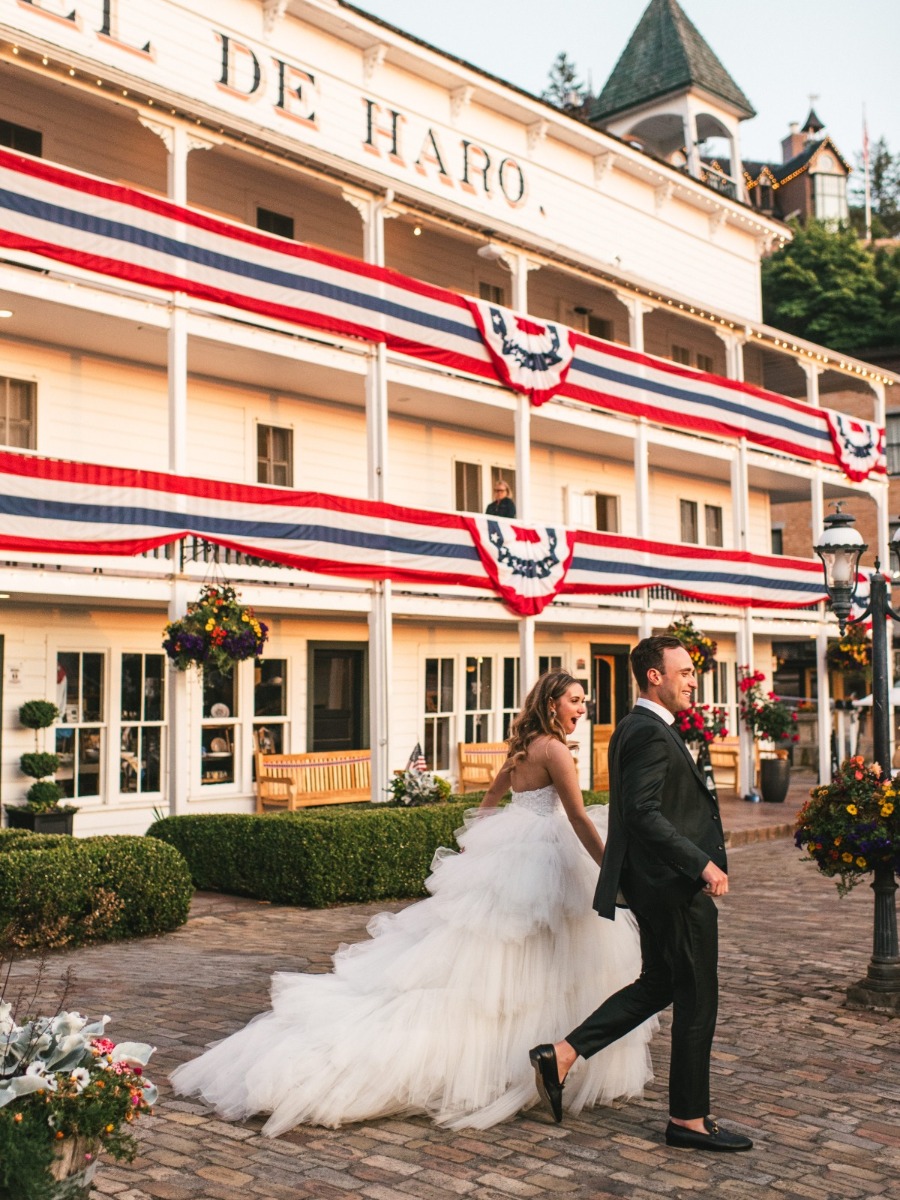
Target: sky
779 52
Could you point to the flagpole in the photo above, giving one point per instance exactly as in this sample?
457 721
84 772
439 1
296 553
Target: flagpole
868 193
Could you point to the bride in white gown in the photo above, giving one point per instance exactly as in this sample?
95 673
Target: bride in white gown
435 1013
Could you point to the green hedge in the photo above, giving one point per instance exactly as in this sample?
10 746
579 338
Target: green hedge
316 857
64 891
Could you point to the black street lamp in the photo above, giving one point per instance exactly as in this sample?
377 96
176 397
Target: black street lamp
840 548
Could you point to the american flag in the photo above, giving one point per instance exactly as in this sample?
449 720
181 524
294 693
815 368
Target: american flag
417 760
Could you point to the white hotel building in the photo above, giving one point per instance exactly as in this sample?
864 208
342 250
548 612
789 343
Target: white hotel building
364 184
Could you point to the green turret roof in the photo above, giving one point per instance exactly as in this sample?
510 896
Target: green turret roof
665 54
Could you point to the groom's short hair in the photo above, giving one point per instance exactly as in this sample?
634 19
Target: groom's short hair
650 654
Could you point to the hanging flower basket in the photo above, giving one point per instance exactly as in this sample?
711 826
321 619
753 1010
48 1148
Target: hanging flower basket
852 652
701 648
852 825
764 715
216 630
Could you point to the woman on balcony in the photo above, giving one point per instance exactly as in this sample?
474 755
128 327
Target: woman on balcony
502 504
436 1013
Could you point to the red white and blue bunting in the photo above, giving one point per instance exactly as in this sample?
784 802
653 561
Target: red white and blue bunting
49 506
122 233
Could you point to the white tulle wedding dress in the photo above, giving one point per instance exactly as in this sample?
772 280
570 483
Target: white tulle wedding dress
436 1012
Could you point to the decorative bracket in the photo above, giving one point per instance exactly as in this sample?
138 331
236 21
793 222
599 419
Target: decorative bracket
372 60
536 134
663 194
716 221
460 98
603 164
273 11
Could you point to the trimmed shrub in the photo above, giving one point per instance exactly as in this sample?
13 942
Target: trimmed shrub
319 856
38 764
314 858
63 891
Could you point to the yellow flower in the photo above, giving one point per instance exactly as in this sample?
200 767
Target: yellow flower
887 809
837 841
210 624
852 810
848 858
244 617
860 862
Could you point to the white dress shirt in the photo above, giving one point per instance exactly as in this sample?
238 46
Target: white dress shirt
664 713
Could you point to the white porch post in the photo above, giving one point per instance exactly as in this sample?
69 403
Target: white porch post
734 353
637 309
823 704
881 496
740 508
824 700
373 213
179 142
519 265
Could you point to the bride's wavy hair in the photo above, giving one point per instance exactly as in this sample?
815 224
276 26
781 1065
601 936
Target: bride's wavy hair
537 716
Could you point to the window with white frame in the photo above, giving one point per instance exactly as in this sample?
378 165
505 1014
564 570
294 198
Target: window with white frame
274 455
681 354
549 662
704 362
468 487
892 443
81 731
142 711
439 711
494 293
274 222
218 727
713 519
17 413
510 692
270 706
606 509
689 525
479 698
473 480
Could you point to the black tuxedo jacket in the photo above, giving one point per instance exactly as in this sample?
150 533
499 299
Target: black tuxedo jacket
664 824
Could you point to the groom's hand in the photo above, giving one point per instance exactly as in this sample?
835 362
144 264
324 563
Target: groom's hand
714 879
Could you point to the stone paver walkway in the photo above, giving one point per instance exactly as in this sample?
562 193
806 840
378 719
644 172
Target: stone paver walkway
817 1085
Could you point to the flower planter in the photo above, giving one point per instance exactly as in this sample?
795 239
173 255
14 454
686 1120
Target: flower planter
74 1167
774 779
45 822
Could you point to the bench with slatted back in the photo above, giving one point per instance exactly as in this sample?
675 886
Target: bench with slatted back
295 781
724 757
479 762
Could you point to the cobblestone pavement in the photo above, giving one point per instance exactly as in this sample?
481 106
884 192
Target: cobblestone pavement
816 1085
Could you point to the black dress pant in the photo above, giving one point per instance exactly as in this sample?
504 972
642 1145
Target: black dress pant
679 956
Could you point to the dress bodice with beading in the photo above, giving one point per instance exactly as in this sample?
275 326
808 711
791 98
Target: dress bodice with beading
543 801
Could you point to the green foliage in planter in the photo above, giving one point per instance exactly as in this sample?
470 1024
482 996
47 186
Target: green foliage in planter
38 714
64 891
43 796
319 856
38 765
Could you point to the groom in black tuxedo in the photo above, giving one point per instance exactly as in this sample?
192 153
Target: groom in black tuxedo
665 860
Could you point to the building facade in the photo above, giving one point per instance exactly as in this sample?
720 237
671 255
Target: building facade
287 292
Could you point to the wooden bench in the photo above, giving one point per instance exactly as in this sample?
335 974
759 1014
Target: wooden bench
293 781
479 762
724 755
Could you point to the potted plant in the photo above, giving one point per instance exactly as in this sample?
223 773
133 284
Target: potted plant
42 811
67 1094
772 720
701 648
410 788
851 826
216 629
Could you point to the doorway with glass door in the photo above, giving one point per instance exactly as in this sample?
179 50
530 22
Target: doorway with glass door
338 709
609 684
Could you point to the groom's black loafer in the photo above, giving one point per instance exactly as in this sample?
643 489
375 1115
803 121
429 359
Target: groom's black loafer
716 1138
546 1077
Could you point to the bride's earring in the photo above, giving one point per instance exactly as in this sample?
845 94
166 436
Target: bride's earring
552 712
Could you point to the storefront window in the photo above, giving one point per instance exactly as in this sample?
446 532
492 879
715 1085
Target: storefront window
142 713
80 734
219 720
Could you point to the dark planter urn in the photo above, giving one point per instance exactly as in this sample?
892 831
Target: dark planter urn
774 779
45 822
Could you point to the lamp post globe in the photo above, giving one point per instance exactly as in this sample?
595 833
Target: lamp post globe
840 548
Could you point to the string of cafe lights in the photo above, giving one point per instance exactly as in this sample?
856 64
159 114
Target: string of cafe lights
688 310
